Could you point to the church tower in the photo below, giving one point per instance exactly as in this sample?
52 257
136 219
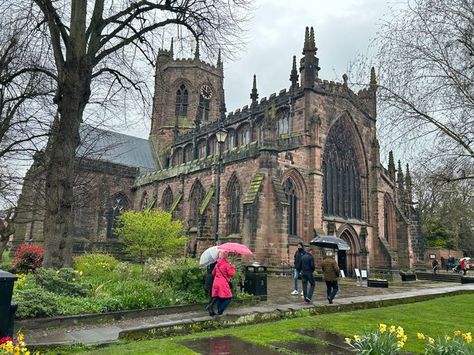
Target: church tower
188 92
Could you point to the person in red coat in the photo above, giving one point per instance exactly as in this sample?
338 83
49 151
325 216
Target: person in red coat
223 272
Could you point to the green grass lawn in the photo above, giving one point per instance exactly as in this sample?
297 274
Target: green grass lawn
435 318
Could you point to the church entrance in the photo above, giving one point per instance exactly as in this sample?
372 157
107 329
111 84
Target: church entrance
350 259
341 260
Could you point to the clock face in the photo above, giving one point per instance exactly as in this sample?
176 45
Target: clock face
206 91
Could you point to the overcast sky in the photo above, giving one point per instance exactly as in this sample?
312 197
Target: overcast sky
343 29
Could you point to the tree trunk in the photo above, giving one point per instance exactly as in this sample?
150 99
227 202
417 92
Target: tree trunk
73 94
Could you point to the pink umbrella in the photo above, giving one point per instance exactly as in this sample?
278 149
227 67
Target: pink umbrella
235 248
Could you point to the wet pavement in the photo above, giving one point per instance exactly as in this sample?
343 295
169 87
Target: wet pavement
279 299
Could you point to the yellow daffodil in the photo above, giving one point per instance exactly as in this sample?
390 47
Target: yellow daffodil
431 340
382 328
392 329
420 336
347 340
458 333
448 338
400 344
467 337
357 338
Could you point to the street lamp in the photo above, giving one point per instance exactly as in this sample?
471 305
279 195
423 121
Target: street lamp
221 135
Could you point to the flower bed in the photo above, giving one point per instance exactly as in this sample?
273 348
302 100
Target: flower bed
467 279
377 283
408 276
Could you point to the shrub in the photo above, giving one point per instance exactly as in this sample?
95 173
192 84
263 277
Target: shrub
150 233
123 269
66 282
35 302
28 258
458 344
186 279
93 263
154 268
386 340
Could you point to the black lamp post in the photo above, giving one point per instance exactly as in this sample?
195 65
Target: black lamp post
221 135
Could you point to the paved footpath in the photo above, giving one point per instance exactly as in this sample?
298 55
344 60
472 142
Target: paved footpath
352 293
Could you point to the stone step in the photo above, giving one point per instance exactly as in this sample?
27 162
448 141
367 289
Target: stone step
439 277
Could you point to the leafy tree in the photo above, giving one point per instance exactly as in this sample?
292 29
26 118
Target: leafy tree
446 211
150 233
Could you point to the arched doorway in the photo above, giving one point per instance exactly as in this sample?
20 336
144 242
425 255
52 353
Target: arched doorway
350 259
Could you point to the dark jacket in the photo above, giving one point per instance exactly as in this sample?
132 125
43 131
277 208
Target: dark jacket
330 269
209 278
306 264
299 253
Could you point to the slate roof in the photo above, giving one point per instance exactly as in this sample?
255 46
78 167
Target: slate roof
116 148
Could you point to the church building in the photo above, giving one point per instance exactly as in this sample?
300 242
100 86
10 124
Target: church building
301 162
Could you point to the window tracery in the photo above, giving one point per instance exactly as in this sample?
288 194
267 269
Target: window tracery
181 101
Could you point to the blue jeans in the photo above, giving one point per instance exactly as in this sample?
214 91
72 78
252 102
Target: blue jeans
295 281
308 277
331 289
222 304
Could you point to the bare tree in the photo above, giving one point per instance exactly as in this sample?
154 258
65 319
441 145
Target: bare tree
425 79
24 122
87 40
7 228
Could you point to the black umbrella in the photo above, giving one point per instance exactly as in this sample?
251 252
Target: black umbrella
328 241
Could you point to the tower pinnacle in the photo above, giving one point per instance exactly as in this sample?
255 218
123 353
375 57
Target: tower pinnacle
254 93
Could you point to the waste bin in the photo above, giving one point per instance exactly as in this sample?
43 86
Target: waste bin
256 280
7 309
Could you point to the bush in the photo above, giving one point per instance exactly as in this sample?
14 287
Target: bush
93 263
35 302
154 268
66 282
28 258
186 279
123 269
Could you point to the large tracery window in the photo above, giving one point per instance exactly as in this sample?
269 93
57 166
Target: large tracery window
290 193
167 199
233 206
119 203
243 135
182 101
342 181
195 199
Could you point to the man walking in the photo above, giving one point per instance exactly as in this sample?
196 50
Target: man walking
307 268
297 258
330 275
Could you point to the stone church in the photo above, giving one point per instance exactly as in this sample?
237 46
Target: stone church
299 163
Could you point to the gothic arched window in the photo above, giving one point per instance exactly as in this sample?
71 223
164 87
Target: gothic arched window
283 117
292 198
201 148
212 146
342 181
182 101
389 227
233 206
177 156
144 201
243 135
119 203
188 154
203 108
195 199
230 140
167 199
